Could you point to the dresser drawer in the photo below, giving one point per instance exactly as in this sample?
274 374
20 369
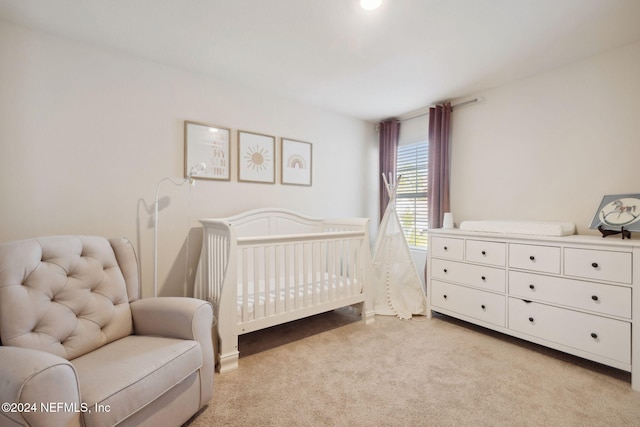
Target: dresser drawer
596 297
474 303
593 334
598 264
446 247
488 278
535 258
491 253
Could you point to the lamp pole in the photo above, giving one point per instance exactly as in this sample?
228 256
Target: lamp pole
195 170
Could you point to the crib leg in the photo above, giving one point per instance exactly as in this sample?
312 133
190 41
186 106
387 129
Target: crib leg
368 315
227 351
228 362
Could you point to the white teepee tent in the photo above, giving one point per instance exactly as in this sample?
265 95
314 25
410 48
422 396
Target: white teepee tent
397 287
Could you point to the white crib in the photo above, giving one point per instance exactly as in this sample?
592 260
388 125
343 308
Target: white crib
270 266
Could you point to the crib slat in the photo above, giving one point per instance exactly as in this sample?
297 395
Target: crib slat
300 277
346 258
268 297
357 268
214 245
308 289
256 282
352 261
344 270
244 253
222 248
277 279
327 274
287 276
326 280
298 268
316 273
212 284
332 268
340 267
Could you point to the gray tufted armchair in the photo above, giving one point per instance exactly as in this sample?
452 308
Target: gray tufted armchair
79 346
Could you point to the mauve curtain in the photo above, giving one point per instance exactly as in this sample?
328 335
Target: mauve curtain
438 190
389 132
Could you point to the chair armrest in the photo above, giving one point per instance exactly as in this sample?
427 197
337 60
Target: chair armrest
44 386
173 317
183 318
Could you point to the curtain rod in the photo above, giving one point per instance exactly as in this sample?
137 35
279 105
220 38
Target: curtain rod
460 104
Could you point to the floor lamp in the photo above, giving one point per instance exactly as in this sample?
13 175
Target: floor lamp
195 170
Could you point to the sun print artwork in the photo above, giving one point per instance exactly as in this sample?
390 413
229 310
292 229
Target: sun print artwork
256 157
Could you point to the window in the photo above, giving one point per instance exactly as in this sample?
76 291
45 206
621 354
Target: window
411 195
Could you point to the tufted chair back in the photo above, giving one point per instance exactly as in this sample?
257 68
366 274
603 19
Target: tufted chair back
66 295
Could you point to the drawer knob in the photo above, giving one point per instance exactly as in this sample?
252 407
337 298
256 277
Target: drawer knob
446 248
484 279
532 258
531 319
483 307
445 270
594 297
484 252
444 296
532 287
594 335
594 264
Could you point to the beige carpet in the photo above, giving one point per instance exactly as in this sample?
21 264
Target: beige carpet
332 370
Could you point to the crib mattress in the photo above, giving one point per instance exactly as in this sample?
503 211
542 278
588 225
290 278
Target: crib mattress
333 288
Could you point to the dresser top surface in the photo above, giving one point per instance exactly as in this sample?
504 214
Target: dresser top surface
613 241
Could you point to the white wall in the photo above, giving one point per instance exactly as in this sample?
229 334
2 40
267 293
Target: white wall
550 147
86 135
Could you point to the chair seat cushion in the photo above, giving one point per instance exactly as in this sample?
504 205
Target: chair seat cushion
127 374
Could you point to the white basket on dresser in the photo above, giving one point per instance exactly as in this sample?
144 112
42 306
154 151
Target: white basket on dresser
572 293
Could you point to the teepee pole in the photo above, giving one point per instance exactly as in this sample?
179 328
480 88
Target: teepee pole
392 188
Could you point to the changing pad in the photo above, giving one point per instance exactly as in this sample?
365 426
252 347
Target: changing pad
536 228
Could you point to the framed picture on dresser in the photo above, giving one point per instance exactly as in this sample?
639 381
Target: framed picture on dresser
617 212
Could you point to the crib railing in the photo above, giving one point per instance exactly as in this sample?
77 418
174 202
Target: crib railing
215 259
280 274
290 272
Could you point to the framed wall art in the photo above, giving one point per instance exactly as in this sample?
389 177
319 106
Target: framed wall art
296 164
618 214
256 157
208 145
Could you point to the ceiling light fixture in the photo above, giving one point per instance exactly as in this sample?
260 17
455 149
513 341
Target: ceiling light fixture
370 4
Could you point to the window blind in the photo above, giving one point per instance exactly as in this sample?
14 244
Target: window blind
411 196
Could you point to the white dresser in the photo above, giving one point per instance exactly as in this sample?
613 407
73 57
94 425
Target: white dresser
574 294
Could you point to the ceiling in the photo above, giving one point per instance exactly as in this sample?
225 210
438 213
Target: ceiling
372 65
